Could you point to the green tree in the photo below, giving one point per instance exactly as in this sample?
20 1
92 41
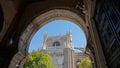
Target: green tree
38 59
85 63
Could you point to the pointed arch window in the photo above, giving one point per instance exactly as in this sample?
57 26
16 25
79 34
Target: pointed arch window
56 43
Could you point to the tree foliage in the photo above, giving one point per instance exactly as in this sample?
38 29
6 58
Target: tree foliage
85 63
38 59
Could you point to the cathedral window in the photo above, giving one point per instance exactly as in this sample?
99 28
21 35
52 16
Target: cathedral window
56 43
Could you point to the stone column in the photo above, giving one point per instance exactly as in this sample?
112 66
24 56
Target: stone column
100 59
98 48
68 58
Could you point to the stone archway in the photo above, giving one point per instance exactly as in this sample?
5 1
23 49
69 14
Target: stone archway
88 27
37 23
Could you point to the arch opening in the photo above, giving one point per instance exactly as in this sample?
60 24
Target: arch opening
38 22
57 31
59 28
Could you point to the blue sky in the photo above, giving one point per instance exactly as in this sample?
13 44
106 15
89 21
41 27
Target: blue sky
58 27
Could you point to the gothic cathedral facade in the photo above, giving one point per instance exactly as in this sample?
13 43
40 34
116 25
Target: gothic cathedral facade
61 50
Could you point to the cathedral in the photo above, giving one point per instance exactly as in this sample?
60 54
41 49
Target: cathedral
62 50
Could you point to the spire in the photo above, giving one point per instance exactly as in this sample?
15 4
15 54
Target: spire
69 36
44 41
45 37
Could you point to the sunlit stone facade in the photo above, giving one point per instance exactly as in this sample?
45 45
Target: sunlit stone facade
61 50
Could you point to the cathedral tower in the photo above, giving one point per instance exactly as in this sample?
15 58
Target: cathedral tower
60 48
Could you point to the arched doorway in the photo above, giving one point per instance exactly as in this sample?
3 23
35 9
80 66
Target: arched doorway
39 19
38 22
